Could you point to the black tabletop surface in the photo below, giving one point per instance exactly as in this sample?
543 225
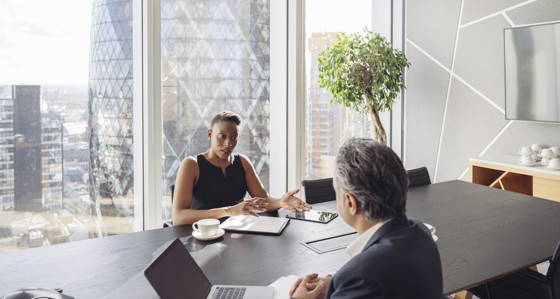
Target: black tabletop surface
482 233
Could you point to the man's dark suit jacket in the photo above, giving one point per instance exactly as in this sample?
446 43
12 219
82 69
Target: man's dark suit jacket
400 260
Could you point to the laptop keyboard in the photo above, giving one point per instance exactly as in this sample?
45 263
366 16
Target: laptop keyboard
229 293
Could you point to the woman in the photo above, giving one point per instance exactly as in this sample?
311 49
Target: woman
214 184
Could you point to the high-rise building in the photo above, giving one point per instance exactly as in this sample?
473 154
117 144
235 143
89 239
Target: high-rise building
322 128
215 57
328 125
30 152
52 164
110 106
6 148
27 147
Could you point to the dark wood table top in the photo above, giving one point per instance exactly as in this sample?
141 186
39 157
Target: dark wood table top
483 233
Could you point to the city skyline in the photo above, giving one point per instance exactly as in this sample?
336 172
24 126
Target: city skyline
207 66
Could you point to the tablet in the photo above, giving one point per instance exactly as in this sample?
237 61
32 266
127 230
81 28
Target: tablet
315 216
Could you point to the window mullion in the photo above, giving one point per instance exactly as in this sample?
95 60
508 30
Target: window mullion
148 150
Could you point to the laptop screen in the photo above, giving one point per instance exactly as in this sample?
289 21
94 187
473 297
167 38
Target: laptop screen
175 274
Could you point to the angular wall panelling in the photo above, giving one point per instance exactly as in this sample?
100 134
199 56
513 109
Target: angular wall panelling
424 110
434 34
477 9
473 125
480 59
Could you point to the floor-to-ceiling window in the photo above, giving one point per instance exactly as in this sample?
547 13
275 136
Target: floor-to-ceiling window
215 57
65 114
69 105
328 125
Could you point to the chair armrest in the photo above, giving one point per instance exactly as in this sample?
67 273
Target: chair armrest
167 224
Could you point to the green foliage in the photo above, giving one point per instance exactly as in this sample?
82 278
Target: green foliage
363 67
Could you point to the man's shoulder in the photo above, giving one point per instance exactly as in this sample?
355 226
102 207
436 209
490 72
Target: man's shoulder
403 253
397 241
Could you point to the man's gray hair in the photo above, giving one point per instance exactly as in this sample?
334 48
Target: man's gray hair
374 174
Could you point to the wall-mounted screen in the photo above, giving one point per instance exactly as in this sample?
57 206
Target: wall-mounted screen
532 72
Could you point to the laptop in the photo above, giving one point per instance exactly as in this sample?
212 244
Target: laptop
175 274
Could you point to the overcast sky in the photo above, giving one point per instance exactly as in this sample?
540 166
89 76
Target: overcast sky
338 15
47 41
44 41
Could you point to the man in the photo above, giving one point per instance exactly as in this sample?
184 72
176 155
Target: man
393 256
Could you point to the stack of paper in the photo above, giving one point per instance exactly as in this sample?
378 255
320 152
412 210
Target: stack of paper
283 285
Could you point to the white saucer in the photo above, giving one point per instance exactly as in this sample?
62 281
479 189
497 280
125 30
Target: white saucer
552 168
218 234
529 164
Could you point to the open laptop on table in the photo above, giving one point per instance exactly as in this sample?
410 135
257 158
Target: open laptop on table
175 274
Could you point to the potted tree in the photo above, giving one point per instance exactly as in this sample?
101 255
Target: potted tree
364 72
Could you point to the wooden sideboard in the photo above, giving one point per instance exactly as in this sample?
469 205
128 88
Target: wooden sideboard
505 172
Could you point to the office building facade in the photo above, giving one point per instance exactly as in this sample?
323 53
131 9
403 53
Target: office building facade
110 107
215 57
30 152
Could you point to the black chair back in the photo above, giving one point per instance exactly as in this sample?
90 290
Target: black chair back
553 274
319 190
418 177
170 223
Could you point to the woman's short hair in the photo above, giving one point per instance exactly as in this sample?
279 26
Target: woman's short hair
226 116
374 174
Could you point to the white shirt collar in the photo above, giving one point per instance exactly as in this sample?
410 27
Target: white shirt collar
358 245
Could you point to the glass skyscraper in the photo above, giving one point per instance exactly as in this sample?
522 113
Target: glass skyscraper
30 152
110 109
215 57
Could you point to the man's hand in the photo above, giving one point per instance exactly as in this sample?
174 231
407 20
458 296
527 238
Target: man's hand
310 287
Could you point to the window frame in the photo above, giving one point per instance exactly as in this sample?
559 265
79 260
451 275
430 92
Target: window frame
147 109
388 20
287 84
147 114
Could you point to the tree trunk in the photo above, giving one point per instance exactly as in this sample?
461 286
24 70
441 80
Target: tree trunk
378 130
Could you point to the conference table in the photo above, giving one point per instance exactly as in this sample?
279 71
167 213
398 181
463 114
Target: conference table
483 233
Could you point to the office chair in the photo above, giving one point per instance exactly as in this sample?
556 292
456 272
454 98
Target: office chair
316 191
418 177
169 223
526 283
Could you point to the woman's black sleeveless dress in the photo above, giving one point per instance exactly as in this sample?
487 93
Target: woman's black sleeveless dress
213 190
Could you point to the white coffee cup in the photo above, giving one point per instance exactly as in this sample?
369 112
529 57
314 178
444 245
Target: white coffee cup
525 150
555 150
206 227
536 147
554 163
544 161
547 153
527 159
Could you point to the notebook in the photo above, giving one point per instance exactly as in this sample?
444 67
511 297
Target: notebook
175 274
251 224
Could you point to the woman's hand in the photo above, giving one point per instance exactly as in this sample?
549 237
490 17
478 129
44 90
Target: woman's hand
311 286
290 202
247 207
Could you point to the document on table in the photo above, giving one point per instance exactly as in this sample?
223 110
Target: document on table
252 224
282 286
